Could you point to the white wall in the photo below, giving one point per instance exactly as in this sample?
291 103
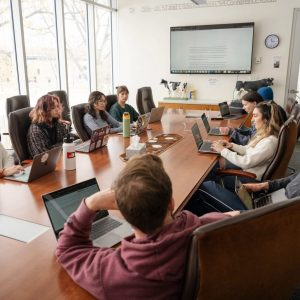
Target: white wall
143 43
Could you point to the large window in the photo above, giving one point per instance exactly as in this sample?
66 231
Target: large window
77 50
8 71
40 47
103 50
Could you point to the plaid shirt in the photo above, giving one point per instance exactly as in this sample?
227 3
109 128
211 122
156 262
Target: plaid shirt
38 139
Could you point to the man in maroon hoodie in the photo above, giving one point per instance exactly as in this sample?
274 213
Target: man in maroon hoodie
150 264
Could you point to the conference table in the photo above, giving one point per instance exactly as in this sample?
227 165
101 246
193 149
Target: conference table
30 270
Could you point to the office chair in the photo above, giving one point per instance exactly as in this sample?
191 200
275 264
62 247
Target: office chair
111 100
144 100
277 168
255 255
64 100
18 124
78 112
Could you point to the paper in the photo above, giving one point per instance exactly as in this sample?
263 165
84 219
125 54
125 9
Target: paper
20 230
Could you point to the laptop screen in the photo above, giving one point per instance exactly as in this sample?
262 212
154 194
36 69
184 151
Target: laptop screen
205 122
62 203
197 135
224 109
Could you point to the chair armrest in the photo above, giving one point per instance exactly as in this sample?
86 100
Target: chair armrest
233 172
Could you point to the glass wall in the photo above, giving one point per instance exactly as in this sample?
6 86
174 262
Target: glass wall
103 50
40 47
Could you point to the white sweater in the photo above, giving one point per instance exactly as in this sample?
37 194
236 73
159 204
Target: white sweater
252 159
5 159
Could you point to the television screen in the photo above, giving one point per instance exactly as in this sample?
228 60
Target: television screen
211 49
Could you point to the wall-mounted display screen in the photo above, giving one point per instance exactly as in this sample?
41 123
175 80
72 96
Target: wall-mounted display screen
211 49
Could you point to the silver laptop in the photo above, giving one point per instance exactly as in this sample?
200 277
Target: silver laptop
106 230
202 146
42 164
156 114
141 124
225 112
251 203
98 139
209 130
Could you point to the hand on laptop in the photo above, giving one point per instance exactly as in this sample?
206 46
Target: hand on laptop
104 199
12 170
256 187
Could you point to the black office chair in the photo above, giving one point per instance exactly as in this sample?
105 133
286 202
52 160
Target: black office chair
16 102
18 125
64 100
78 112
144 100
111 100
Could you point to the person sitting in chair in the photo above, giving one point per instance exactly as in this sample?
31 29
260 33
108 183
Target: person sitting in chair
150 264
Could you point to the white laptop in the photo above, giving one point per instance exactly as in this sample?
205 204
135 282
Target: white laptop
106 231
156 114
42 164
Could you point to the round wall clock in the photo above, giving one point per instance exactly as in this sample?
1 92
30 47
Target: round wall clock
272 41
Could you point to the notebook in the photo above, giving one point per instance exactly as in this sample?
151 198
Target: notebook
209 130
106 230
98 139
202 146
42 164
225 112
251 203
156 114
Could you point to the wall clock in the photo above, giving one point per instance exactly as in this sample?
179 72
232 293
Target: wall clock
272 41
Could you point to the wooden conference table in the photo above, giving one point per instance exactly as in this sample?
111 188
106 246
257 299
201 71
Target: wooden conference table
30 271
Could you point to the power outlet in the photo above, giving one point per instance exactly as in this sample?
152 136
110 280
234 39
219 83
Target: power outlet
258 60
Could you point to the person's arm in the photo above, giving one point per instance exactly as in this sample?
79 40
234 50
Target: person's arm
278 184
116 113
115 125
75 251
37 141
262 152
134 114
213 217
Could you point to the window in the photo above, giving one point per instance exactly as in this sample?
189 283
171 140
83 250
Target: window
40 47
77 51
103 50
8 72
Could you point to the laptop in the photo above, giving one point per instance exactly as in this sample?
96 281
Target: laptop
202 146
225 112
209 130
251 203
106 230
156 114
98 139
42 164
141 124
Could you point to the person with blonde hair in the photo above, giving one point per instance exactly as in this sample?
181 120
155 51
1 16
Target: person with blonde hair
47 128
117 110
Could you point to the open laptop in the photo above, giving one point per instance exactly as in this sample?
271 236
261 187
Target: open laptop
251 203
42 164
225 112
106 230
202 146
141 124
98 139
209 130
156 114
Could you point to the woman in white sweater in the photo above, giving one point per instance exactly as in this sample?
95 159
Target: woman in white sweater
7 166
257 154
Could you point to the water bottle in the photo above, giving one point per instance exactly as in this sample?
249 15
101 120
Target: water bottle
69 159
126 124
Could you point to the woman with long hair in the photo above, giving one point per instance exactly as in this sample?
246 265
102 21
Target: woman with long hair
47 128
97 117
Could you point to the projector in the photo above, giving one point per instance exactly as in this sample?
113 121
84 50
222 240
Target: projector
199 1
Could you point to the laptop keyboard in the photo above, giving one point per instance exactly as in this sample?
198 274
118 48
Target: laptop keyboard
104 226
206 146
214 131
262 201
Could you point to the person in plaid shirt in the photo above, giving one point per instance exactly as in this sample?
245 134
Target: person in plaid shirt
47 129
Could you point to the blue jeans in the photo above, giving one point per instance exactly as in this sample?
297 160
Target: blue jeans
212 197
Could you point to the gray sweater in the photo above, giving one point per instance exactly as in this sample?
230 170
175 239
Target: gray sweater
291 184
91 123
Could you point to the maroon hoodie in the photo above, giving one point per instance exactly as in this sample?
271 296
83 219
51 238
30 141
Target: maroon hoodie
144 268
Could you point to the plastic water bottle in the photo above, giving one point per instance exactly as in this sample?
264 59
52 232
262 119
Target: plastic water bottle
69 159
126 124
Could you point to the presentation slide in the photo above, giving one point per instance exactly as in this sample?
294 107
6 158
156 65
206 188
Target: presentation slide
226 50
